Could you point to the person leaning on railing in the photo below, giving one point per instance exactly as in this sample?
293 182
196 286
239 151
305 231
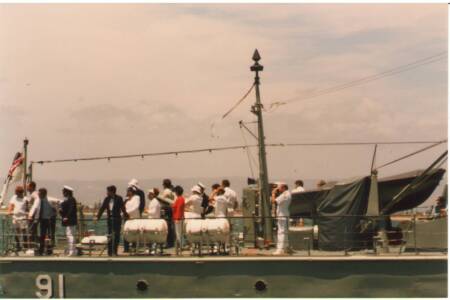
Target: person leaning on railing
17 209
115 210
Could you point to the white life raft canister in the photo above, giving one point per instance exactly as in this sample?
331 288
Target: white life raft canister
207 231
145 231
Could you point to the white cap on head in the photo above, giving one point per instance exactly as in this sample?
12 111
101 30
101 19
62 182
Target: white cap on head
66 187
201 185
151 191
196 189
133 182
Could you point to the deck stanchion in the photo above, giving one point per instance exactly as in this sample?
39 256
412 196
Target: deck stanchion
415 235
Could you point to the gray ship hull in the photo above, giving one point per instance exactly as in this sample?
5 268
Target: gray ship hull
349 276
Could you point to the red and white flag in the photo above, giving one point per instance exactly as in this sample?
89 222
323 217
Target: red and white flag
15 173
16 170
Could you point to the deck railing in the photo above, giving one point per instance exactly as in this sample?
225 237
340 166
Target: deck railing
316 236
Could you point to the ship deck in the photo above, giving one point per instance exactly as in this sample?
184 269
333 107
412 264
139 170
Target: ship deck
247 254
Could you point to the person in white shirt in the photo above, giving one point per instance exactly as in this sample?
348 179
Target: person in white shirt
154 207
193 204
34 206
221 203
17 209
231 196
132 203
298 187
282 198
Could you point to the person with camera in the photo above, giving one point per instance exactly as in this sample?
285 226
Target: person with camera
282 198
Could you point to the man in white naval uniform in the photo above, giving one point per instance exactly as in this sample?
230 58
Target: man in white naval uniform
282 198
231 197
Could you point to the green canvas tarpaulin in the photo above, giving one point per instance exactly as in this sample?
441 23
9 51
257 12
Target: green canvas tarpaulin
389 187
305 204
339 210
339 214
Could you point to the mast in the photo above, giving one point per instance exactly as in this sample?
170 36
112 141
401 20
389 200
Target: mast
263 174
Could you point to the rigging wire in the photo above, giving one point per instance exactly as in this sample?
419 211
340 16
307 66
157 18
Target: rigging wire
410 154
213 123
249 157
364 80
239 102
142 155
364 143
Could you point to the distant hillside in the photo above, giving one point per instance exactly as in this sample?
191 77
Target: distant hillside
90 192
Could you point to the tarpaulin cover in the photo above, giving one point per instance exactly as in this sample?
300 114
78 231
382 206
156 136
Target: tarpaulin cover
389 187
339 214
305 204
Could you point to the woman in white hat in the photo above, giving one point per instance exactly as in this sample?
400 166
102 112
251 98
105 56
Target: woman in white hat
193 204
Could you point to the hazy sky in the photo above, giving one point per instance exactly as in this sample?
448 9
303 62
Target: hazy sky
107 79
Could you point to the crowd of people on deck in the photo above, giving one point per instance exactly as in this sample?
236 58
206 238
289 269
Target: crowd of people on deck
39 210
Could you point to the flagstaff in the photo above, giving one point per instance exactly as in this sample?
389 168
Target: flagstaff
25 157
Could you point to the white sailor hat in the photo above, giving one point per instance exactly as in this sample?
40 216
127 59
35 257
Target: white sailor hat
133 182
196 189
201 185
66 187
151 191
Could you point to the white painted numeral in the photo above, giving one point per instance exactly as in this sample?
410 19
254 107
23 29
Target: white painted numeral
61 286
45 286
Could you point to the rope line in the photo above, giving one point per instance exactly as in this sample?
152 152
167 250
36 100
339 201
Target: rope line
244 147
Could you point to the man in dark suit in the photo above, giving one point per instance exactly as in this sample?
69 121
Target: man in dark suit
115 209
68 213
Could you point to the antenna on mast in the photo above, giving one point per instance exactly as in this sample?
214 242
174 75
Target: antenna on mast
264 192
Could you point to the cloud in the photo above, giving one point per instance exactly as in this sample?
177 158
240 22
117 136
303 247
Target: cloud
128 78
